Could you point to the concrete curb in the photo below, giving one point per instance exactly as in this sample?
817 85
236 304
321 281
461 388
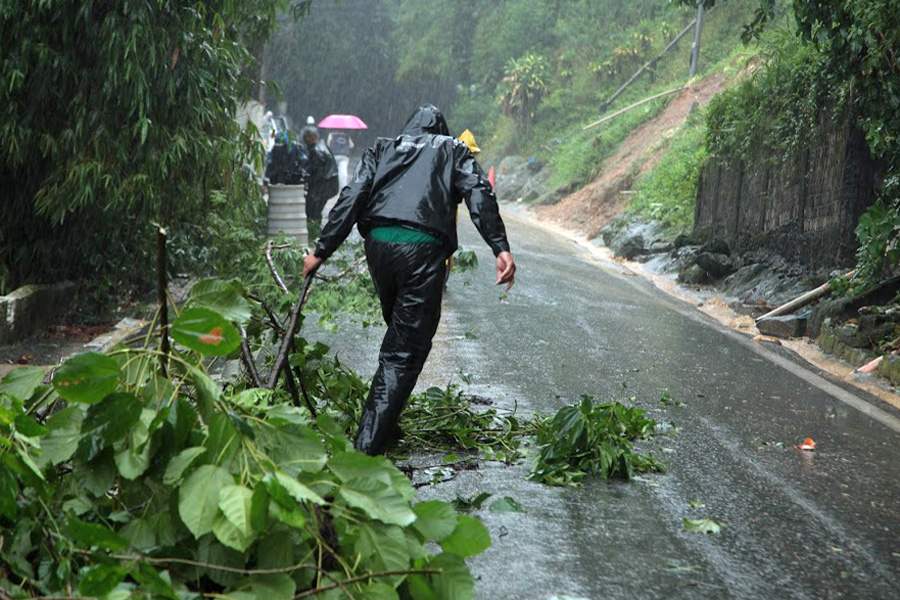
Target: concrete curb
30 308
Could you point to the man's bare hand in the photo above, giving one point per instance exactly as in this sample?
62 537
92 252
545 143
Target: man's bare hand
506 270
310 264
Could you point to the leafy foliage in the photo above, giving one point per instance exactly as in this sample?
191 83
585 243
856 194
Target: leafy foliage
777 111
591 438
113 118
849 45
267 501
524 84
668 192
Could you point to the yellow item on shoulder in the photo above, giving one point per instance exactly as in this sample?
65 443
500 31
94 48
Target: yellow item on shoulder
469 140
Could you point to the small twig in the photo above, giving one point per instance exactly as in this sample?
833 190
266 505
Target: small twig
310 405
247 356
291 385
203 565
273 269
273 320
366 577
345 272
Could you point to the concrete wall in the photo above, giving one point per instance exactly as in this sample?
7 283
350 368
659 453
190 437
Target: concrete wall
30 308
805 208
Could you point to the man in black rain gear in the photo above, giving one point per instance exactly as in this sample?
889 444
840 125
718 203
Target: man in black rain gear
322 182
403 199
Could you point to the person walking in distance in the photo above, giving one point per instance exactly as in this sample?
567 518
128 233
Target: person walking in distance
340 145
403 199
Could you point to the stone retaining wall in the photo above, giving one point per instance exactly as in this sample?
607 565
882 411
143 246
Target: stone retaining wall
30 308
805 208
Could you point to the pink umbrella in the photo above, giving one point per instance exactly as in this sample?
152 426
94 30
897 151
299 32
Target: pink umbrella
342 122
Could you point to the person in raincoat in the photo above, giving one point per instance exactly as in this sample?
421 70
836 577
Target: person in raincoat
340 145
403 199
322 182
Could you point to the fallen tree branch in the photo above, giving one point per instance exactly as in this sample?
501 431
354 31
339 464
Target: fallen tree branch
273 269
247 357
282 356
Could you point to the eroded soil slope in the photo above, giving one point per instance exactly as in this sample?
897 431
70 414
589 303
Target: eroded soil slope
591 207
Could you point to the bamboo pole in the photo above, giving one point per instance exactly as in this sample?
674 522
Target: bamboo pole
627 108
162 297
645 66
803 299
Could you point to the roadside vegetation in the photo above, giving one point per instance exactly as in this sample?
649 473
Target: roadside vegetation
142 474
821 60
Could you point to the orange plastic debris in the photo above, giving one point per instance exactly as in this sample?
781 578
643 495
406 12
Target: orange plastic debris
214 337
808 444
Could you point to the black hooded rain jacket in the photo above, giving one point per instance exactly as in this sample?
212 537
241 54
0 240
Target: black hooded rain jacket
416 180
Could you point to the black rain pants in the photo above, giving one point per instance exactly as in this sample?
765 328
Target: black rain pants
409 279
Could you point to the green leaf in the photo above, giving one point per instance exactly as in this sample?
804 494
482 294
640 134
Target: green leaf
378 591
469 538
9 493
506 504
356 465
77 506
113 418
299 491
101 580
206 332
91 534
221 297
211 552
259 507
236 502
21 382
223 441
264 587
28 427
293 448
292 517
454 582
275 551
140 534
133 453
377 500
701 525
180 463
435 520
383 548
208 393
152 583
229 535
278 492
87 378
198 497
29 463
253 397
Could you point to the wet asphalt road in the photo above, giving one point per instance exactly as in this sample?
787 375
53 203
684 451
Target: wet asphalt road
795 524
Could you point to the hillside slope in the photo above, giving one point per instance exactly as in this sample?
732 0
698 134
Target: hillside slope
591 207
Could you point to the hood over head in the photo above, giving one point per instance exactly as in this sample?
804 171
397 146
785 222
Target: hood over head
426 119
